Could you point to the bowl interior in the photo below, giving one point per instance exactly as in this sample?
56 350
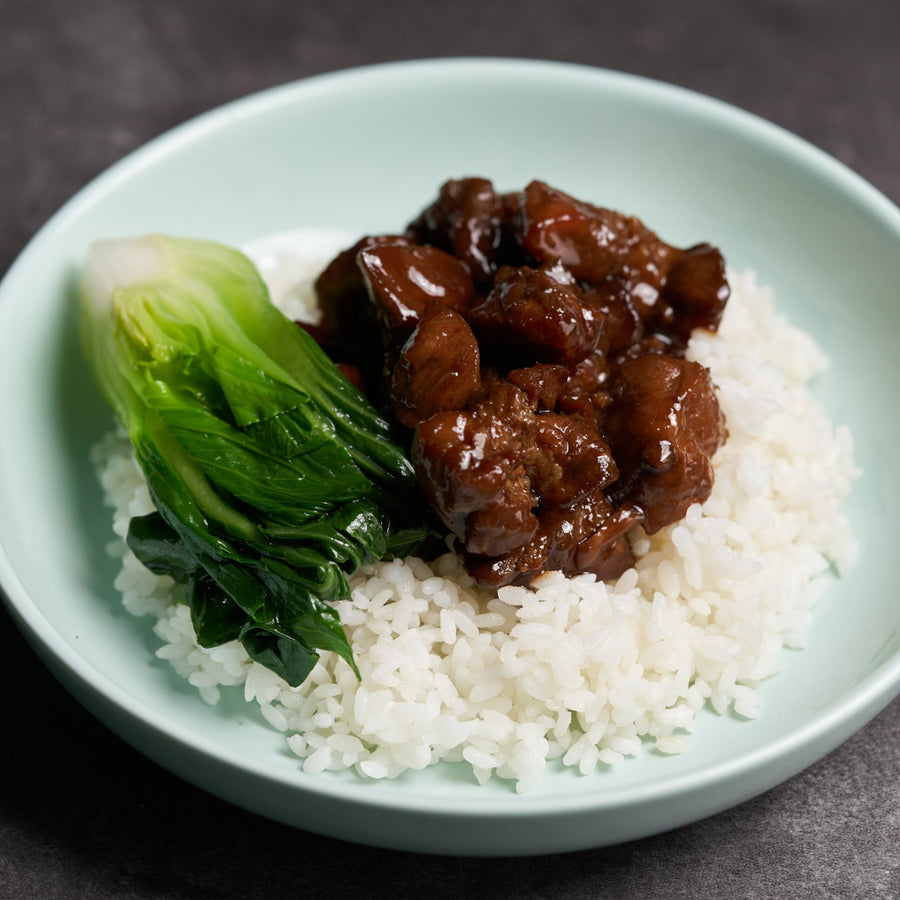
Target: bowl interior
364 152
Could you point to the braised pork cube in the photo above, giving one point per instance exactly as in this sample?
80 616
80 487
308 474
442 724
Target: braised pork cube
470 464
487 469
469 220
593 243
438 368
697 290
542 383
672 290
502 525
611 302
584 393
566 460
345 311
540 310
586 537
664 426
347 318
402 279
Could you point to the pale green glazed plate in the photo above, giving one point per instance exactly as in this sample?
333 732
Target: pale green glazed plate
363 150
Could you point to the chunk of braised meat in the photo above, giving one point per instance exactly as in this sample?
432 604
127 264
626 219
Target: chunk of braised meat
541 383
347 318
468 219
593 243
502 525
588 536
664 426
673 291
539 310
403 278
438 367
611 302
697 289
471 467
566 459
486 469
345 311
584 393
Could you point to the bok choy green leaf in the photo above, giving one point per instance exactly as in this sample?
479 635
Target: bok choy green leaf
272 476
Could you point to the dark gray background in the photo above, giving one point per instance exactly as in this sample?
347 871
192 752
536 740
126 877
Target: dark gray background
83 83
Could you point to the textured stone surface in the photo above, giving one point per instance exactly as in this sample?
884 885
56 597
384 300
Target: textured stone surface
82 84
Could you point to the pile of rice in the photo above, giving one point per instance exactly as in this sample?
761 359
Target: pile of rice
570 669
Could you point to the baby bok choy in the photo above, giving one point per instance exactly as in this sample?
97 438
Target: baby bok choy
273 478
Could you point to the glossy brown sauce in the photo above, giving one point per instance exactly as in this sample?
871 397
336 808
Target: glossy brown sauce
532 345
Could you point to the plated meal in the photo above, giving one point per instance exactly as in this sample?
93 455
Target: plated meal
557 710
519 482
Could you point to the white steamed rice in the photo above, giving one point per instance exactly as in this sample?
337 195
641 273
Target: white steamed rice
572 669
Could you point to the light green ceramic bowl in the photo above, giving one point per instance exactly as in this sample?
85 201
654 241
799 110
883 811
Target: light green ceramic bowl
363 150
